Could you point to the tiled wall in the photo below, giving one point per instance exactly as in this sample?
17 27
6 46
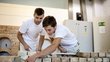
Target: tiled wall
11 33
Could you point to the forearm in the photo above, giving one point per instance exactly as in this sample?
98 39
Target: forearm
41 41
20 38
50 48
61 49
47 51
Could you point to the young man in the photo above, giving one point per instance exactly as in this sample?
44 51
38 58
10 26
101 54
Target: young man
62 37
29 31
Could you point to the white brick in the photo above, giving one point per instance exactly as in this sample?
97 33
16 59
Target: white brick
74 59
46 59
56 59
98 59
90 59
23 54
102 54
108 54
82 59
65 59
30 53
106 59
38 60
87 55
94 55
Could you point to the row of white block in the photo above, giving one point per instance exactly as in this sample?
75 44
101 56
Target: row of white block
86 57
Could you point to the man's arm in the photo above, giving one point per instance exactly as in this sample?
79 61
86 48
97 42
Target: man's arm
46 51
59 47
41 41
50 49
20 38
62 49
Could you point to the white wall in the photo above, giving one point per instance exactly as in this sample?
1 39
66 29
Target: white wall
76 8
13 14
89 9
101 40
97 11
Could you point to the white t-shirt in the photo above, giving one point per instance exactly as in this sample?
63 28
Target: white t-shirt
31 32
68 39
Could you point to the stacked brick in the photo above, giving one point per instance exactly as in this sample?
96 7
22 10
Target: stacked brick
81 57
10 32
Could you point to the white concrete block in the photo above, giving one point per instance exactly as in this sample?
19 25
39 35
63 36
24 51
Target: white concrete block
102 54
38 60
106 59
56 59
94 54
82 59
74 59
98 59
30 53
90 60
86 54
46 59
65 59
108 54
23 54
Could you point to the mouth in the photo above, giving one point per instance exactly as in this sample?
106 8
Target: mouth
37 22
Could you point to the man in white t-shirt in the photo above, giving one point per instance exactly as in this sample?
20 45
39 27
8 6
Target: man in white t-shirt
30 31
61 36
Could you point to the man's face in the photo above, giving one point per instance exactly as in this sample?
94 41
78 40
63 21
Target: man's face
38 19
50 30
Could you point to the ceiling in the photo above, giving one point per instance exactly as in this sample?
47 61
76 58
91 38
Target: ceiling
63 4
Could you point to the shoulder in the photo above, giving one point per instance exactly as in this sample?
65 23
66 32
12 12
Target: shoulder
27 22
61 27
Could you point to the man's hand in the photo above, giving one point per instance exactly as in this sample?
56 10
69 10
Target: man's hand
27 47
31 58
38 52
62 49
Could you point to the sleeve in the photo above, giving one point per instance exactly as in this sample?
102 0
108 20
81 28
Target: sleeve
43 32
24 27
60 33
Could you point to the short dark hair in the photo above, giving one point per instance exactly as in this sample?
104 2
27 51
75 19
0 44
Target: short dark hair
49 20
39 11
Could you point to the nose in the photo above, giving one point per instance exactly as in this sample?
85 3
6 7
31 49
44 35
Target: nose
48 32
38 20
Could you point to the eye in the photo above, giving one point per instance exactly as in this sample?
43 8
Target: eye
40 18
37 17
